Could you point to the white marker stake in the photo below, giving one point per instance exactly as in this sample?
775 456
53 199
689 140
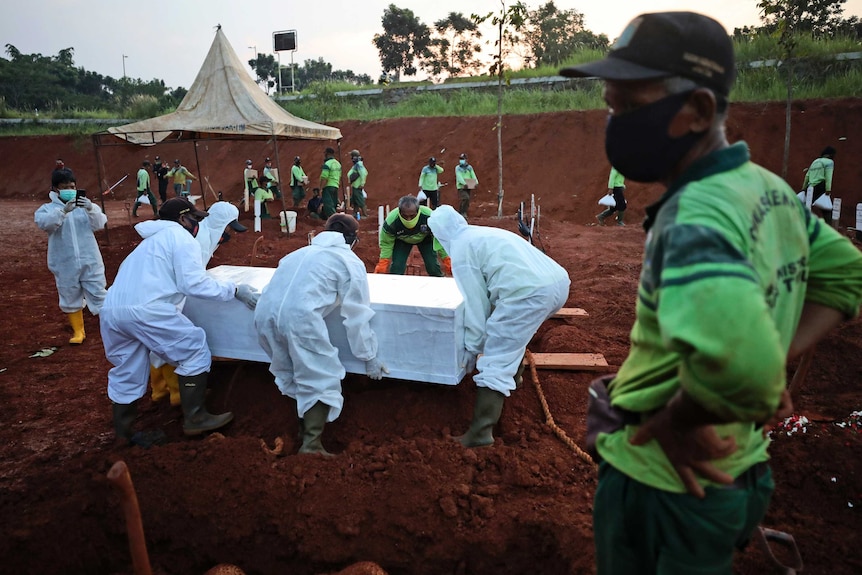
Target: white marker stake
836 211
380 219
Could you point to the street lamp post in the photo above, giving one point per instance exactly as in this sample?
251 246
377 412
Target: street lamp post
124 66
255 57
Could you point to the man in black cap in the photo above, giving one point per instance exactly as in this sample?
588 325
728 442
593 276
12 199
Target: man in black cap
160 171
732 261
140 316
330 179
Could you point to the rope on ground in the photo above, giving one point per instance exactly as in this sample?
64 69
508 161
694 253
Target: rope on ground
549 419
254 250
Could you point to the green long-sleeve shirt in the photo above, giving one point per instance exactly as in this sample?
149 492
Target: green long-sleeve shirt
731 256
464 173
428 178
393 230
143 180
330 174
820 171
616 179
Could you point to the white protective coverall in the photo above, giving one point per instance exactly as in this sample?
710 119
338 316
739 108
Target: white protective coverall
213 226
140 313
209 234
509 289
310 284
73 253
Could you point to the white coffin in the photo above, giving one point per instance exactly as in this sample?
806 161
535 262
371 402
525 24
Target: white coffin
419 322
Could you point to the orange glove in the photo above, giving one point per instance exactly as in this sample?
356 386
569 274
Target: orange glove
382 266
447 265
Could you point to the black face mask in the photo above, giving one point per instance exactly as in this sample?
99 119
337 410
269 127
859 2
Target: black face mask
637 142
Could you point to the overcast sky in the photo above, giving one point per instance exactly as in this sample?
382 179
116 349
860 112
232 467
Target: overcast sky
169 39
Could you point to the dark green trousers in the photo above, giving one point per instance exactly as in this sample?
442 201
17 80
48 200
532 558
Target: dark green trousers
330 201
401 251
640 530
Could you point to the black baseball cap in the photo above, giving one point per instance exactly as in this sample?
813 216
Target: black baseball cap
665 44
237 227
174 208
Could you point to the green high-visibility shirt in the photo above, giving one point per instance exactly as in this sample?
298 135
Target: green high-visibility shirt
393 230
143 180
820 171
731 256
362 175
331 173
616 179
428 178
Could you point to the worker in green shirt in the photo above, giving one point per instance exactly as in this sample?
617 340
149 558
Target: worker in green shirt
330 176
738 278
465 181
357 176
819 174
428 183
405 227
144 190
298 181
617 187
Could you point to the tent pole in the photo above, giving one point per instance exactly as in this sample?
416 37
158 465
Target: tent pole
280 180
200 175
96 141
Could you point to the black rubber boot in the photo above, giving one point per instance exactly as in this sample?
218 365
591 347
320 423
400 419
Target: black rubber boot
124 417
620 218
311 427
197 420
486 414
135 209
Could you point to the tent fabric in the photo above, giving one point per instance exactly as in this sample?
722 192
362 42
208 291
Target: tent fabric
225 100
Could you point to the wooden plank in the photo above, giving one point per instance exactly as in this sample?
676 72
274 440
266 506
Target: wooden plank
570 312
571 361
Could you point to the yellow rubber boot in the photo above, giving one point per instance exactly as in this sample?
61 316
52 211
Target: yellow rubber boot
76 320
172 381
158 384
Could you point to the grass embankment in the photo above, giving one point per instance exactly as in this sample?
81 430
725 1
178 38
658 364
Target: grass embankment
817 74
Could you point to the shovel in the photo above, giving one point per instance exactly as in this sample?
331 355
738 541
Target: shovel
785 544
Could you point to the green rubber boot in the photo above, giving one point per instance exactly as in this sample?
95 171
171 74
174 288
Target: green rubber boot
197 420
486 414
311 427
601 217
620 216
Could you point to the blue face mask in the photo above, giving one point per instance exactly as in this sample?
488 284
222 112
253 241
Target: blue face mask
462 162
68 195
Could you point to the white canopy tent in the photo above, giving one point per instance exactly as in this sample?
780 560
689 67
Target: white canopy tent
223 102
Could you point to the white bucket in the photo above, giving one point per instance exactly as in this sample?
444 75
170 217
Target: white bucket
288 219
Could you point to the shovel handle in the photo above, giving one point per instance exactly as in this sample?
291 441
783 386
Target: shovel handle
768 536
119 476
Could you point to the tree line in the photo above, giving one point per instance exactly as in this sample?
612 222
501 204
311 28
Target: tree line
452 47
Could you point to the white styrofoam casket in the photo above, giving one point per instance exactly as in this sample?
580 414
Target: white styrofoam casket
419 322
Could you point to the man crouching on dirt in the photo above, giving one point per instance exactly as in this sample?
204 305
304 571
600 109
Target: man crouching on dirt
510 288
737 278
140 315
309 285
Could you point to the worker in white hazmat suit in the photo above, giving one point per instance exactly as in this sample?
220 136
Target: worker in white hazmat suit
73 253
311 283
140 315
211 234
510 288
